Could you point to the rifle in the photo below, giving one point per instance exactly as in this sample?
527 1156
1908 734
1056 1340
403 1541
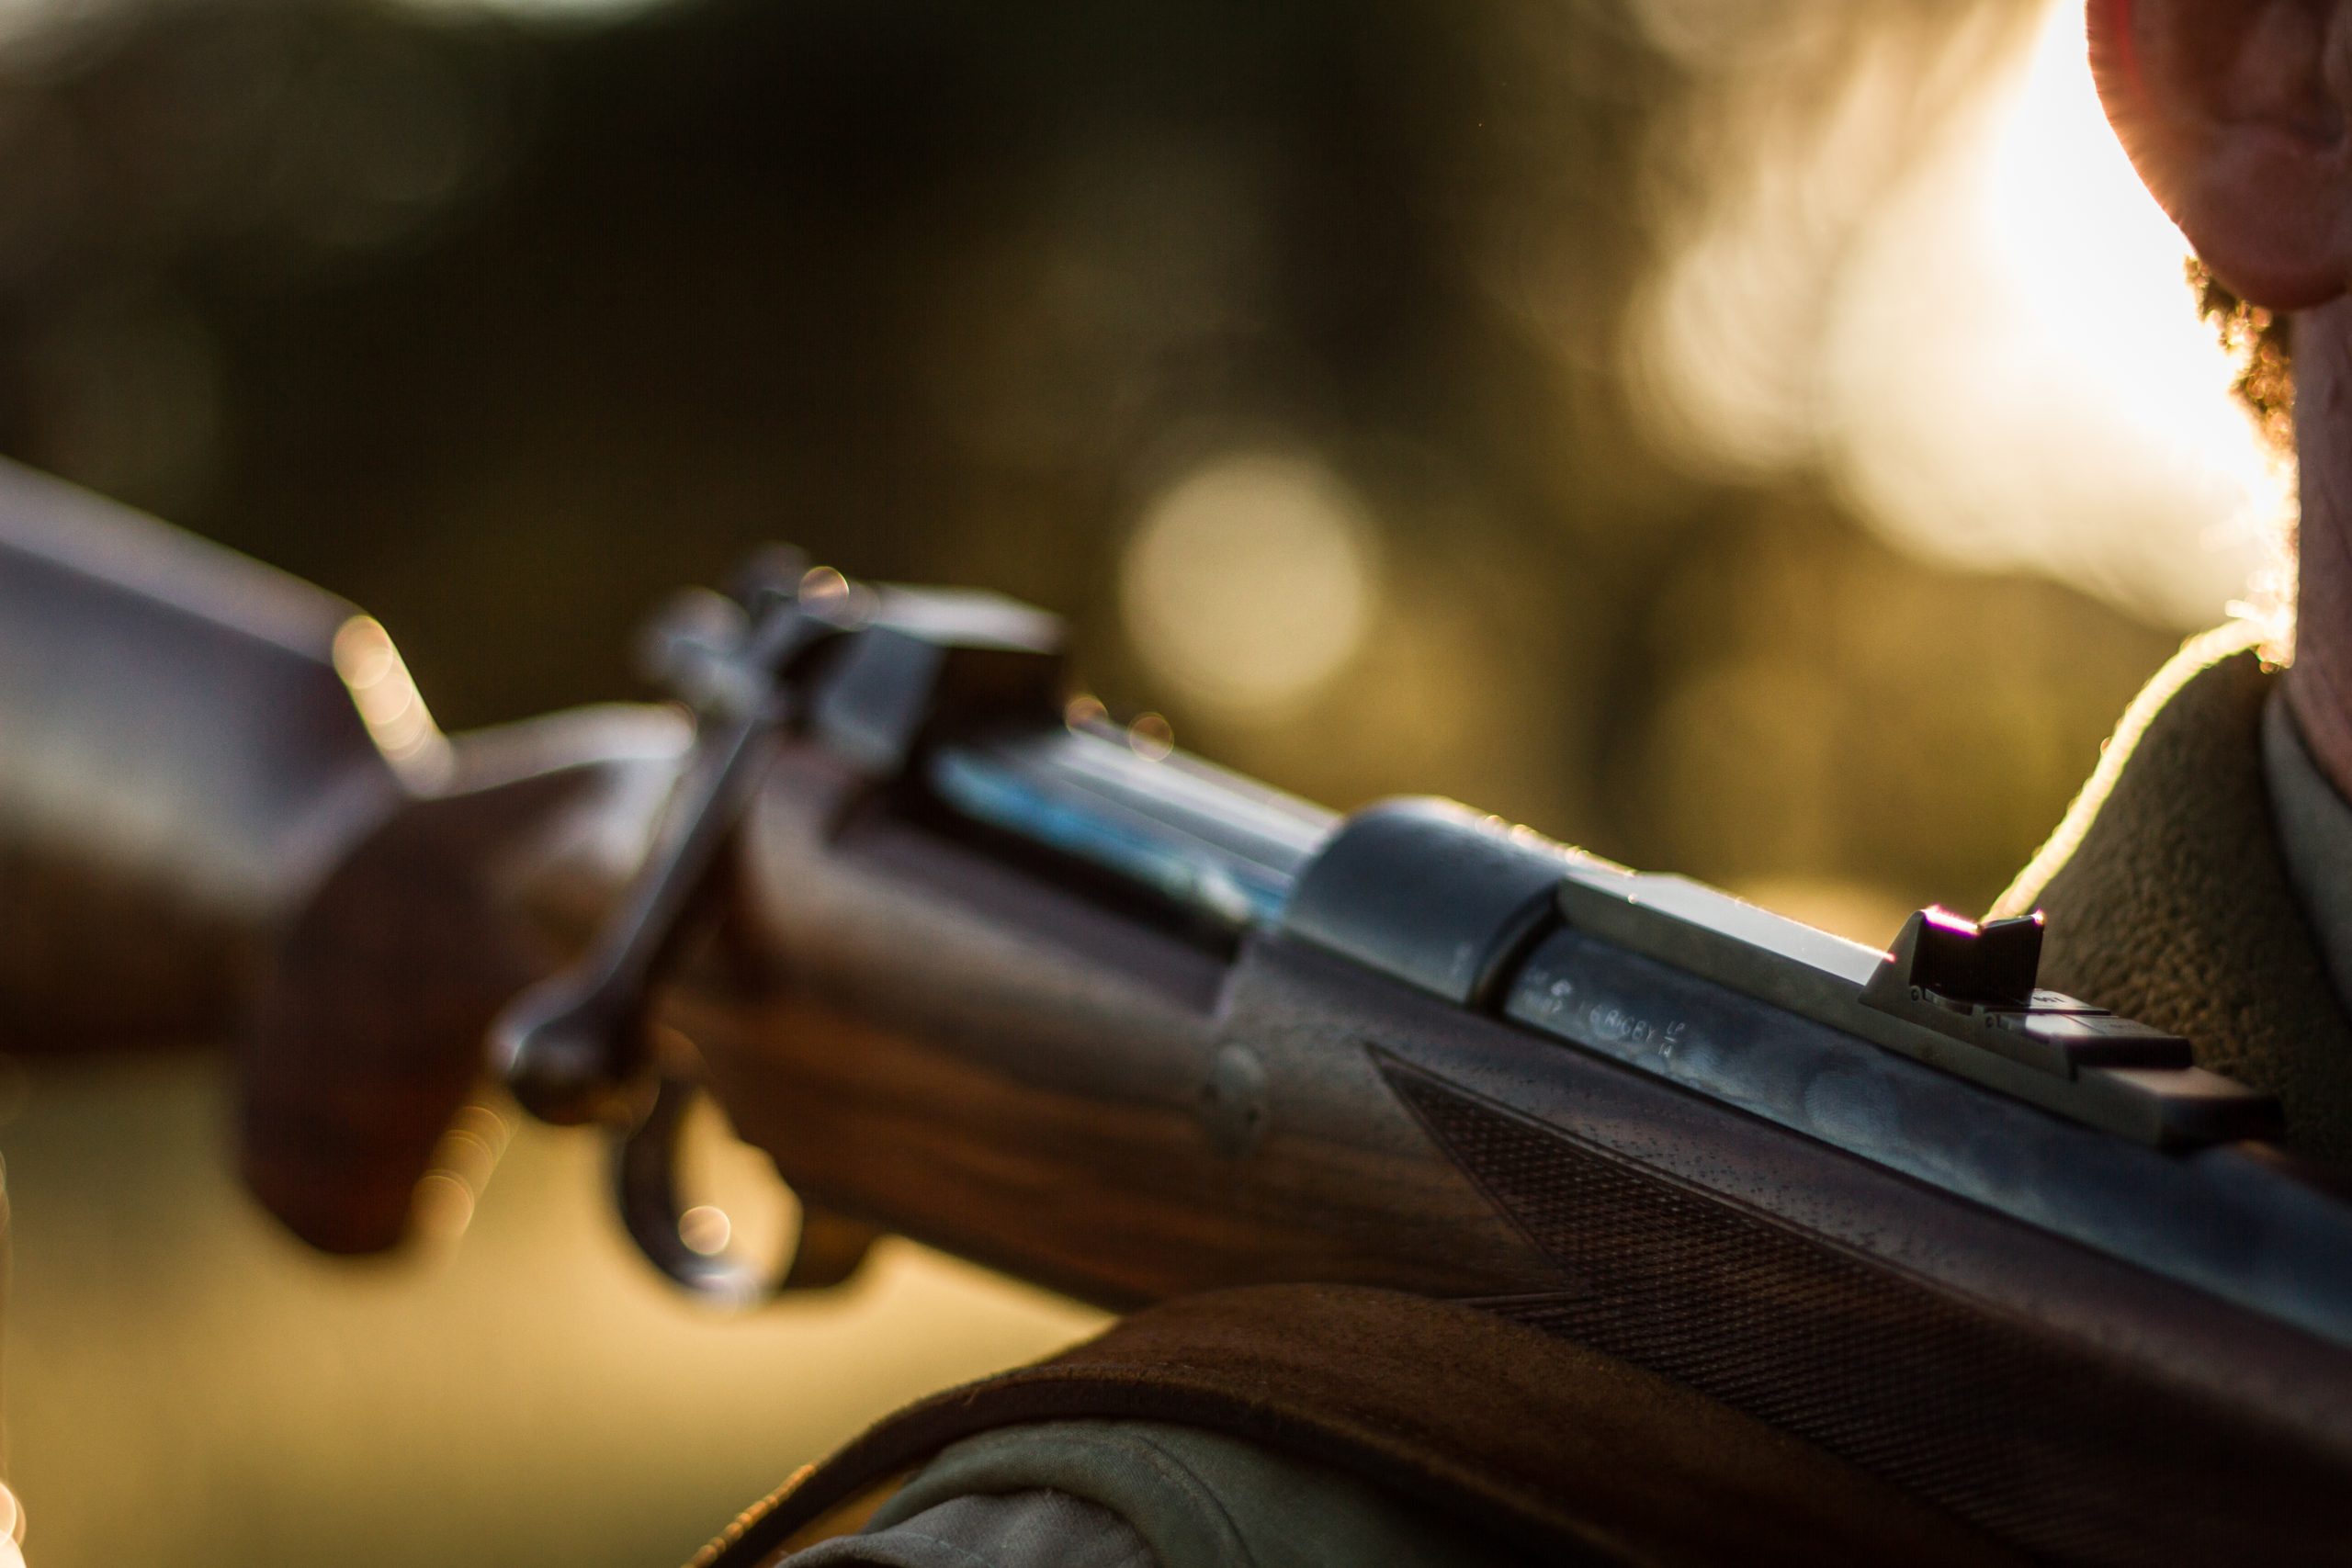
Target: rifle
974 966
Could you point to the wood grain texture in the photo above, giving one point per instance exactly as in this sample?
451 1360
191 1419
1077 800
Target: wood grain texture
923 1035
367 1035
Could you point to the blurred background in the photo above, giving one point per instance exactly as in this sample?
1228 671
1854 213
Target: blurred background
1765 439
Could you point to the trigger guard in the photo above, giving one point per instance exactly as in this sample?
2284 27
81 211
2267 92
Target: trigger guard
645 1182
826 1252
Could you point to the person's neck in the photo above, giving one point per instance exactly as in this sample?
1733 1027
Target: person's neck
2319 686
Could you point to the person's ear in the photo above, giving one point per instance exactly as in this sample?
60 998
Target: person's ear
2234 112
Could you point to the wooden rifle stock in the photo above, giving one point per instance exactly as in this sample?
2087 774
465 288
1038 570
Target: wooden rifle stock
930 1036
1987 1275
225 813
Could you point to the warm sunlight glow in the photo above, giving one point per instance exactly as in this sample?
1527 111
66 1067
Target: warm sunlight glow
2019 378
1996 357
12 1521
2100 264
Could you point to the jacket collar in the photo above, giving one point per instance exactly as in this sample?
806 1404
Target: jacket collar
2170 897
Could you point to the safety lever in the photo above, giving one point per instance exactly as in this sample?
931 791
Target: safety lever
574 1048
580 1046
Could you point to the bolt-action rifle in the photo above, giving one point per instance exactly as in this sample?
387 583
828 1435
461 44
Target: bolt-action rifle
975 968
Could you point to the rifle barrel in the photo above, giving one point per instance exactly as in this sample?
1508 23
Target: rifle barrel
1230 853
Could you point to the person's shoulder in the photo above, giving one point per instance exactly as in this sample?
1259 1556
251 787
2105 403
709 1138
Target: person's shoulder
2170 899
2196 721
1410 1429
1109 1494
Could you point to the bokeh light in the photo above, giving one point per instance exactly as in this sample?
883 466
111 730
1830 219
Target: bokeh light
387 700
1250 581
705 1229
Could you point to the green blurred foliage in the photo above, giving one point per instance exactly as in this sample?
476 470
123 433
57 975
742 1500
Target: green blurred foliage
504 331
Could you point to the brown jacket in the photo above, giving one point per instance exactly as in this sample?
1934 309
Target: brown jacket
2168 901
